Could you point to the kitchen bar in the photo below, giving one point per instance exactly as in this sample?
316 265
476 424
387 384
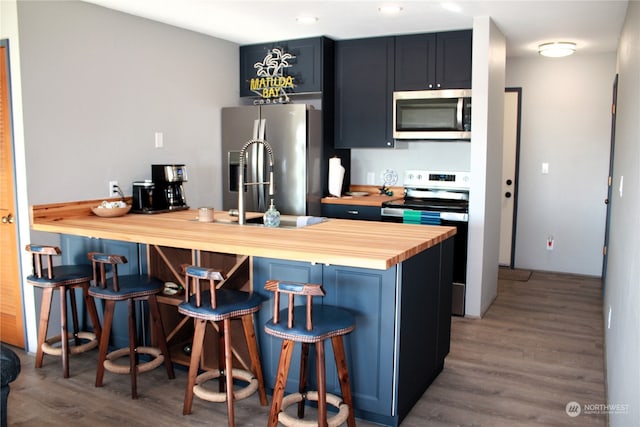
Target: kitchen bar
396 278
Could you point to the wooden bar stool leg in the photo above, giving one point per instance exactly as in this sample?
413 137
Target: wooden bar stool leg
221 358
109 307
74 315
228 367
302 384
93 312
45 310
252 344
286 353
343 377
322 385
154 310
194 363
64 339
133 354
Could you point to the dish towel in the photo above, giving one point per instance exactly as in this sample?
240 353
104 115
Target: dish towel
421 217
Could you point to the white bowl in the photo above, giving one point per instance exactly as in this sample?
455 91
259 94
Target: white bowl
110 212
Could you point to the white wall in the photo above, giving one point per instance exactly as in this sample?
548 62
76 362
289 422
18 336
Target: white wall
431 155
94 85
566 122
97 85
622 284
488 82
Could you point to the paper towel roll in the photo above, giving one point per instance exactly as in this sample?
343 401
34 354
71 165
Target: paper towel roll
336 175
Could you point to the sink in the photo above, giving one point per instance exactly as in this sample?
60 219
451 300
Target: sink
289 221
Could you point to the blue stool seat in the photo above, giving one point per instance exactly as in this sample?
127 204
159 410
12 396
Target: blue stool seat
129 286
65 279
328 322
230 303
62 275
220 305
309 324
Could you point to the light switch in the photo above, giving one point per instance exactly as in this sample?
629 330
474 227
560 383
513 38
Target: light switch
545 168
159 143
621 182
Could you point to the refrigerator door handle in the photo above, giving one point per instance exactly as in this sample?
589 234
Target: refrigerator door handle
261 202
256 125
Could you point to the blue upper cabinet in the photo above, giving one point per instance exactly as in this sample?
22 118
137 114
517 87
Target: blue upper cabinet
364 93
273 70
434 61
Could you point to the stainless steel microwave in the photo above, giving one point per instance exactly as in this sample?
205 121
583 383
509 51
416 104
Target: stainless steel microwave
432 114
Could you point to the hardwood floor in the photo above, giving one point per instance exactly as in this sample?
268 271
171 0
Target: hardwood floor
539 347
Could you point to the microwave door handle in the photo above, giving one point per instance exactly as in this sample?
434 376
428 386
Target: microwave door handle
459 114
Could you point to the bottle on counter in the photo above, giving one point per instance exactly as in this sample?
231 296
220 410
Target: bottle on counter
271 217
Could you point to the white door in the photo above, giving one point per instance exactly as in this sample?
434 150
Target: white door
509 175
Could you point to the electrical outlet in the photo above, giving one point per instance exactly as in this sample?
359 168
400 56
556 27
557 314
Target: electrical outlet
113 189
545 168
371 178
550 243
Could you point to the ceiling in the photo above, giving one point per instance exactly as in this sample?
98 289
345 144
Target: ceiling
593 24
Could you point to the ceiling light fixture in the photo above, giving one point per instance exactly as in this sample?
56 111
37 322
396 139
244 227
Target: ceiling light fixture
307 19
390 9
557 49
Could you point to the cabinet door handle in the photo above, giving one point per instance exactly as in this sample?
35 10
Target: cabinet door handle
353 212
8 219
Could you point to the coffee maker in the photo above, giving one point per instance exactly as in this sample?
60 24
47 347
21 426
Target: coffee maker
169 191
163 193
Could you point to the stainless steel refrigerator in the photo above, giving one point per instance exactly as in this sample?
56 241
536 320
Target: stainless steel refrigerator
294 132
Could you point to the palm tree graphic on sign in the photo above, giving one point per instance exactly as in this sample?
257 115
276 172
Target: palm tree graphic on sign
273 64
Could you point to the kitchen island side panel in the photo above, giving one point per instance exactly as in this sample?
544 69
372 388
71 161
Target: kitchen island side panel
425 322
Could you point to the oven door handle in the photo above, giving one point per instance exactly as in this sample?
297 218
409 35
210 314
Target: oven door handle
393 212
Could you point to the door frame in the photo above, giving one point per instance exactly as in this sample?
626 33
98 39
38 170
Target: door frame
17 337
614 107
516 174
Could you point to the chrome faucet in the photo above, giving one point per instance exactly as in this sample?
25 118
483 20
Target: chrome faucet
260 181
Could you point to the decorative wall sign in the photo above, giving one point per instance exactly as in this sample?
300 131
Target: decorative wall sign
271 83
272 72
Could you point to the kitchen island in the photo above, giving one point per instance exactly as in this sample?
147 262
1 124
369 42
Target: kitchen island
395 278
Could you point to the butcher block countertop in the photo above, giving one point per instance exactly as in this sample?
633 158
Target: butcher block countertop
374 198
363 244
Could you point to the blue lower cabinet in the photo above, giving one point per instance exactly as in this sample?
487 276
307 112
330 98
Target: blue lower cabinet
75 250
403 325
370 296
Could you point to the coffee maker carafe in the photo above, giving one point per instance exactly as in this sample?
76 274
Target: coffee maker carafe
168 180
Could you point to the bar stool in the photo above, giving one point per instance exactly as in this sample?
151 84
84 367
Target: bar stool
62 278
130 288
321 323
220 305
